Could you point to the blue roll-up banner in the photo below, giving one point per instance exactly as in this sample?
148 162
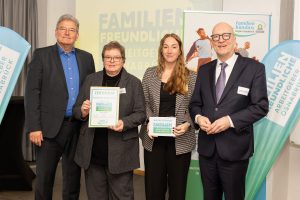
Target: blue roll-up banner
283 81
13 52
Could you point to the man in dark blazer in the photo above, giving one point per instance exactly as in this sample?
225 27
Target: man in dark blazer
229 96
53 81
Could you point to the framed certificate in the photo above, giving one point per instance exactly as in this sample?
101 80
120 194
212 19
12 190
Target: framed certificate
104 110
162 126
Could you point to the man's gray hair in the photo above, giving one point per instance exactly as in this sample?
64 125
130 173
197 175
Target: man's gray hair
70 18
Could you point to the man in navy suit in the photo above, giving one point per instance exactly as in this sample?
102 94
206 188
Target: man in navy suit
55 75
229 96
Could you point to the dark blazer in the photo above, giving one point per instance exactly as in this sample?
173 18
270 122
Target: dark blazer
123 148
46 94
151 86
234 143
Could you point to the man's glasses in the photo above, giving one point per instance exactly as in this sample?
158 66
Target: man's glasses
216 37
65 29
114 59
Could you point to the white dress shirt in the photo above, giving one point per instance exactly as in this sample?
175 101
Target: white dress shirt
230 64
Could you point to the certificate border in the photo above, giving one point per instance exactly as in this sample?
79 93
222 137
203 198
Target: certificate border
92 88
161 134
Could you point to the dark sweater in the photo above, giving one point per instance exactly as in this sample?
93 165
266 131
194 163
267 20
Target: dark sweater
100 144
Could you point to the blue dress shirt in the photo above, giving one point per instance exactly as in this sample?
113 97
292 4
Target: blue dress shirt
71 71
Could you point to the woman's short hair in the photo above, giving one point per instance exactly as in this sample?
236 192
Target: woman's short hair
114 45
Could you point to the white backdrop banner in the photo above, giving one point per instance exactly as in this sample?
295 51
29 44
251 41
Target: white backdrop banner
138 25
251 30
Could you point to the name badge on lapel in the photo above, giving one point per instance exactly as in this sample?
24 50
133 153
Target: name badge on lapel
122 90
243 91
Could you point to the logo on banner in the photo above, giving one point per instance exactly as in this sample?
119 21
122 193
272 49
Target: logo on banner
249 27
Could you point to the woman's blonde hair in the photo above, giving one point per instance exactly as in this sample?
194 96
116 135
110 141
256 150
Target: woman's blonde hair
178 82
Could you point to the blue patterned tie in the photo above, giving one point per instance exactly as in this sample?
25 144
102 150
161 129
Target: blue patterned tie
220 85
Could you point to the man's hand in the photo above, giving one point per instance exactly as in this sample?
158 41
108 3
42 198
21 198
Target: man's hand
118 127
181 129
85 108
204 123
36 137
219 125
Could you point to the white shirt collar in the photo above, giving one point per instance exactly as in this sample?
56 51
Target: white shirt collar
230 62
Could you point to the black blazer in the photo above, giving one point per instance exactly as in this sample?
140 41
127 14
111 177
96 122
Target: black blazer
123 148
235 143
151 86
46 93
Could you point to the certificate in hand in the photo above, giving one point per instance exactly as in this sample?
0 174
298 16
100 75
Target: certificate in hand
104 110
162 126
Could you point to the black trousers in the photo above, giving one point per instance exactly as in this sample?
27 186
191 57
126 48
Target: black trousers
221 176
164 168
103 185
48 156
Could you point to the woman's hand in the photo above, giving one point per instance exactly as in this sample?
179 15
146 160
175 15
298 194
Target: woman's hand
181 129
85 108
118 127
151 136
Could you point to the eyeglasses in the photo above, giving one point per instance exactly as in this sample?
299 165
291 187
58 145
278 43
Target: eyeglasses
114 59
70 30
216 37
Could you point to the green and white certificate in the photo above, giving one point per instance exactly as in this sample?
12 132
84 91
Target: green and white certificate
162 126
104 110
